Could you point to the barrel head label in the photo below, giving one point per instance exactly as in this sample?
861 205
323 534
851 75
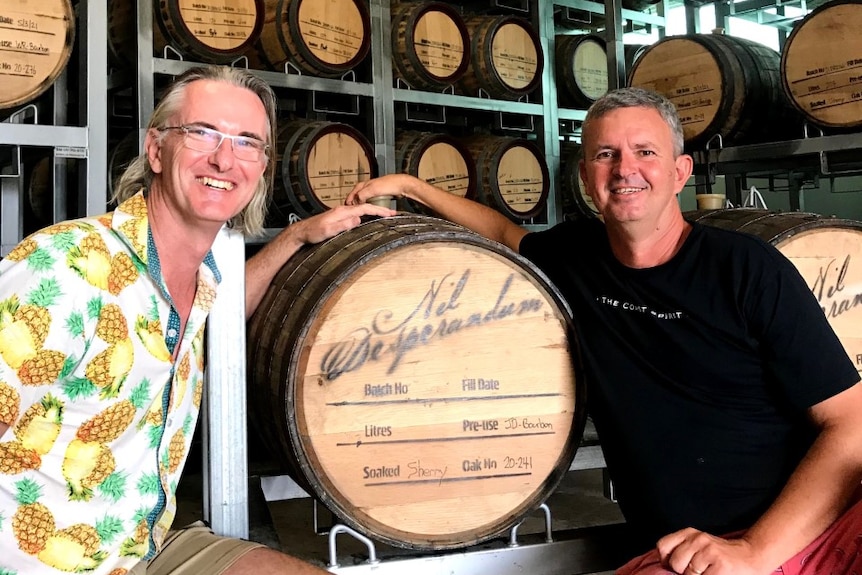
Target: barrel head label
437 390
333 30
443 166
821 66
520 179
219 24
35 45
438 44
515 57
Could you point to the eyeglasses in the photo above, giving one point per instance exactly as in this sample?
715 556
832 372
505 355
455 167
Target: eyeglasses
203 139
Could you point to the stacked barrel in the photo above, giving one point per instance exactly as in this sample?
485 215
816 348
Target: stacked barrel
732 91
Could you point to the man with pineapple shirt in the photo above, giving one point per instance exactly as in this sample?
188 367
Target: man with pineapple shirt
101 344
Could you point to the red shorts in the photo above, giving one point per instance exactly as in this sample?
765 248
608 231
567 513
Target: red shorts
838 551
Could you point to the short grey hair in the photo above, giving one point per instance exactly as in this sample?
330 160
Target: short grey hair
640 98
139 173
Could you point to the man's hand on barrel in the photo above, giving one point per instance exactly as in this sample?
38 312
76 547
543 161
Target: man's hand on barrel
262 267
393 185
323 226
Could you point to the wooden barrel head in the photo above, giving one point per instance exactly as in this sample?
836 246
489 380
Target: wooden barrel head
513 175
320 37
215 31
581 69
320 163
821 65
720 85
438 159
506 57
429 44
424 379
826 251
36 42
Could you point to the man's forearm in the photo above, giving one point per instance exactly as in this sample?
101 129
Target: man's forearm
262 267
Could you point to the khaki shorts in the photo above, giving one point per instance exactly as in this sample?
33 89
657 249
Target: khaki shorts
194 550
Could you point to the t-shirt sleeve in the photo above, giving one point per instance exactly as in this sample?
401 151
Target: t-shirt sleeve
798 344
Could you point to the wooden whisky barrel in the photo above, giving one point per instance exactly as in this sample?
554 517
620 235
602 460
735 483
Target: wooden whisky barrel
216 32
320 37
512 175
430 44
826 251
35 45
506 57
318 164
581 69
821 65
439 159
720 85
421 381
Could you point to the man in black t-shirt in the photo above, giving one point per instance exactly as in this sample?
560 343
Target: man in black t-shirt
726 406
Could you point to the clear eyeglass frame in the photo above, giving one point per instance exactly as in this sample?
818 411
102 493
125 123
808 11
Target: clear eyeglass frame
208 140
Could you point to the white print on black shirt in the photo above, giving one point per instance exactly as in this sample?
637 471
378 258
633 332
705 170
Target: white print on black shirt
611 302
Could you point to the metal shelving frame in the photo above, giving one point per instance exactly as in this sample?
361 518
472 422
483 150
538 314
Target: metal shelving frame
86 143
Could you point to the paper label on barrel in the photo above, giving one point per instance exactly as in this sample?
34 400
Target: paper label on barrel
35 43
823 66
438 44
520 179
688 75
590 67
443 166
514 55
831 264
438 393
219 24
332 29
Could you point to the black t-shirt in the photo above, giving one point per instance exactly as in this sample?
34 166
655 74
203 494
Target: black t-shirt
699 371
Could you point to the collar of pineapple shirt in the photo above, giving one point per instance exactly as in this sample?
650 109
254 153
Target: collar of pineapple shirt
154 268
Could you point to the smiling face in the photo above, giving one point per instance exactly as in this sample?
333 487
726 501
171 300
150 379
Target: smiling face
206 189
629 168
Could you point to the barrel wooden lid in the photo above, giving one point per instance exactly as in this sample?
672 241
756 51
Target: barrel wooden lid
35 44
444 166
521 179
439 44
335 164
590 68
434 394
821 65
514 55
219 25
333 30
687 73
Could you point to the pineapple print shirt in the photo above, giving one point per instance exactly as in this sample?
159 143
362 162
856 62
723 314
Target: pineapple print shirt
100 416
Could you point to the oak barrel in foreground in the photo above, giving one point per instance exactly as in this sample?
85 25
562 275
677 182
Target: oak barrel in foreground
826 251
421 381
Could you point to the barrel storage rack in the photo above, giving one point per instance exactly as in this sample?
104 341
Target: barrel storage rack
66 142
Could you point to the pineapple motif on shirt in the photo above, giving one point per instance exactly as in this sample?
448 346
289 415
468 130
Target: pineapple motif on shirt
78 418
